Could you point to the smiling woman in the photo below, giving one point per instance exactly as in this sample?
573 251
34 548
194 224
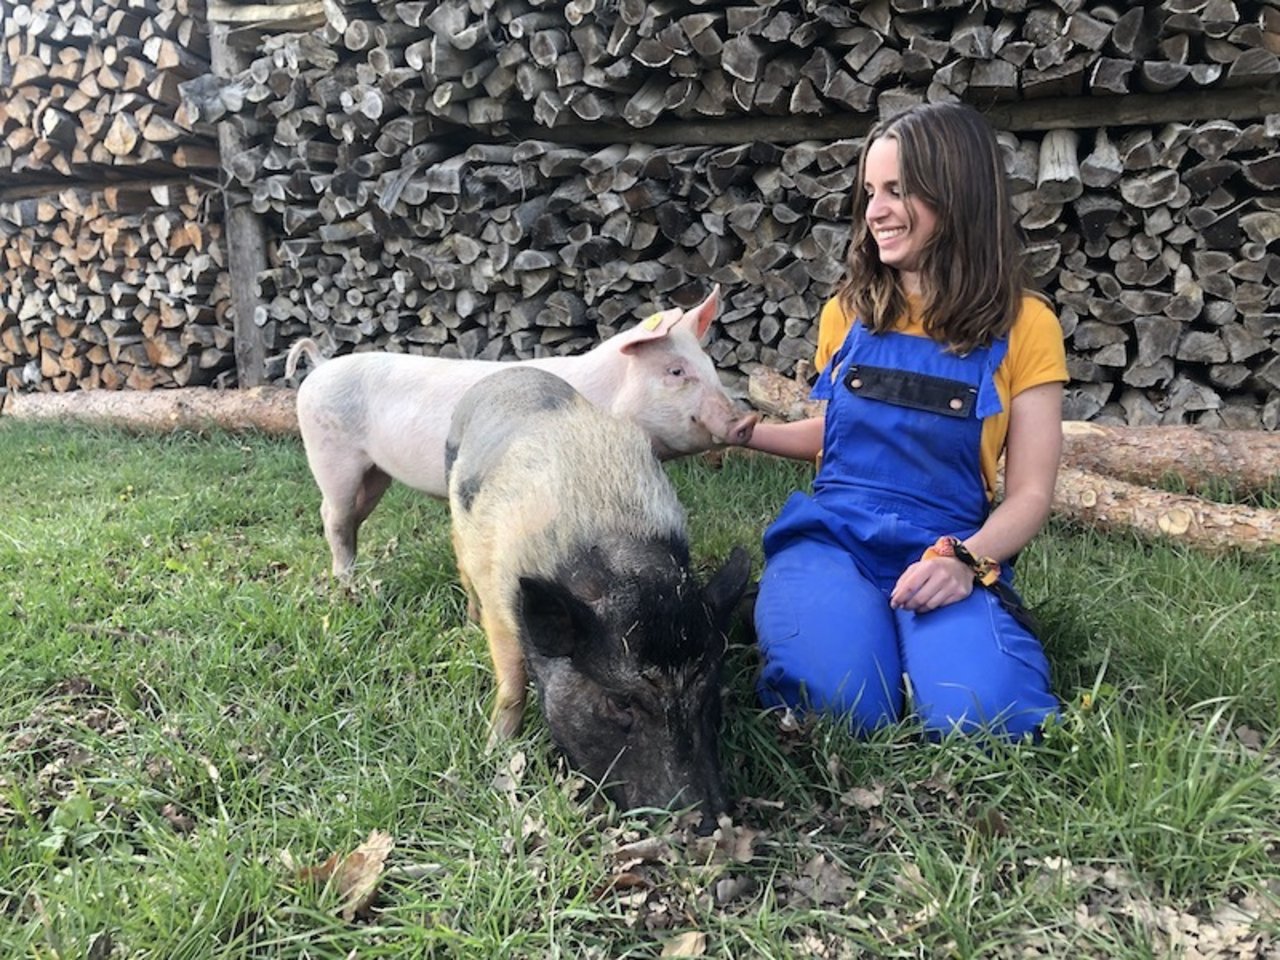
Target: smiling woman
900 225
936 360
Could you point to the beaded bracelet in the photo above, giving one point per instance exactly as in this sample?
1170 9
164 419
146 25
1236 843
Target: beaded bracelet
985 570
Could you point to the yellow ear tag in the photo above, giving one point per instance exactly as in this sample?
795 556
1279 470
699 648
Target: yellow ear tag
651 322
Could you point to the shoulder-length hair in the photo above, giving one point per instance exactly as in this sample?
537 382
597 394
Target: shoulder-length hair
972 271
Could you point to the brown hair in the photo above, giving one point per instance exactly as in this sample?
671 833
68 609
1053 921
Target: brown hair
972 273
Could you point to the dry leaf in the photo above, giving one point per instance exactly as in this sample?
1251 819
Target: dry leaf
863 798
823 883
355 876
1251 738
625 884
990 823
728 889
727 843
178 820
360 872
690 944
644 850
507 780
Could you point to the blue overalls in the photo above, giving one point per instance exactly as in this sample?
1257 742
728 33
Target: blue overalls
900 468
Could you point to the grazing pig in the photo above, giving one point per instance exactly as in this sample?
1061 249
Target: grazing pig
368 418
572 547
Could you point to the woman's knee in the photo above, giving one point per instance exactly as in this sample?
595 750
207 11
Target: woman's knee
1009 706
827 639
866 697
983 670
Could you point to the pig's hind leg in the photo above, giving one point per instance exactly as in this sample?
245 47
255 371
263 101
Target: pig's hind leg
349 495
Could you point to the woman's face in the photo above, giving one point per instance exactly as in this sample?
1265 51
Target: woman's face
900 227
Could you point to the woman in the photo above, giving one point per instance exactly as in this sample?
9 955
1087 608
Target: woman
892 580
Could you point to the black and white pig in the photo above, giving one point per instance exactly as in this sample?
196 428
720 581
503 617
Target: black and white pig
573 548
369 418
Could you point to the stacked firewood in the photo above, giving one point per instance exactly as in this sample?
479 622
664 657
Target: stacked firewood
491 64
124 287
92 84
505 178
113 272
398 230
1157 246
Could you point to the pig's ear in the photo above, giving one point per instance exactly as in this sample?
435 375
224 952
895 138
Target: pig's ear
698 320
726 587
552 618
653 328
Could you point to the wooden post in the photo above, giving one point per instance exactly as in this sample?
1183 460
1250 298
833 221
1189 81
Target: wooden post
246 241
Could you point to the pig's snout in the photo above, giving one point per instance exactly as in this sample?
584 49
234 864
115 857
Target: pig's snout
739 431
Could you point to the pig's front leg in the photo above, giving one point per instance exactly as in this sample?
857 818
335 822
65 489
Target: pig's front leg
473 599
508 665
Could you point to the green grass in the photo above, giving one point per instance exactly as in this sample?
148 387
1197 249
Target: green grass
188 705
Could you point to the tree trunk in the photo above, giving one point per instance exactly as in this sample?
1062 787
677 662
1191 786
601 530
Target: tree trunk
1109 504
264 409
1247 460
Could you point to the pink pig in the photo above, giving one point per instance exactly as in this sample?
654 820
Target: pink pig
369 418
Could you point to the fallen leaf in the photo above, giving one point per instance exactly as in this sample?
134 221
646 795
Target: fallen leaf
507 780
690 944
1251 738
101 947
728 889
178 820
356 876
990 822
863 798
823 883
626 882
762 803
644 850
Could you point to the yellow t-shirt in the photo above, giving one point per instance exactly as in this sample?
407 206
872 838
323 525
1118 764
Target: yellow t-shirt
1036 355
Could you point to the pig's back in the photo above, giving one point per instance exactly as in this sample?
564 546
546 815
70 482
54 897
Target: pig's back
537 469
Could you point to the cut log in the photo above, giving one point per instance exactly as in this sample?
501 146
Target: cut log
1114 505
265 409
1246 460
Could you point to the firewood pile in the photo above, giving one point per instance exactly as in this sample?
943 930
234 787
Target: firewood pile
504 178
113 269
122 287
93 84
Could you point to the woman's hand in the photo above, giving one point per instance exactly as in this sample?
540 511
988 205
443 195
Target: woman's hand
930 584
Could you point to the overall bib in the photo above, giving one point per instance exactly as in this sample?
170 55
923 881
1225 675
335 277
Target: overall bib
901 467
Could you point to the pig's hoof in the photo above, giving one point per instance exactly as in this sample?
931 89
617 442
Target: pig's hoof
506 724
707 825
